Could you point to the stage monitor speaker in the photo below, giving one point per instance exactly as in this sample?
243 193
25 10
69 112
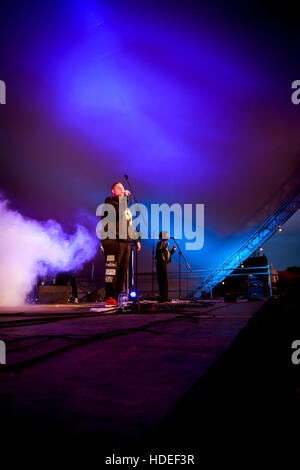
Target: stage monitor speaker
230 297
97 295
53 294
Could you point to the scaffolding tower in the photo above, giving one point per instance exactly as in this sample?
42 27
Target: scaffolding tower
255 241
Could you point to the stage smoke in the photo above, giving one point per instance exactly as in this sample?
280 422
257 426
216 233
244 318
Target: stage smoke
29 248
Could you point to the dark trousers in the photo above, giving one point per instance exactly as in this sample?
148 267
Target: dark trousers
117 256
162 277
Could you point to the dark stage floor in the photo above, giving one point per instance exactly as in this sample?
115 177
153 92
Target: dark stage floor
185 376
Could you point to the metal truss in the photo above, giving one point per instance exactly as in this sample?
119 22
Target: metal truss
255 241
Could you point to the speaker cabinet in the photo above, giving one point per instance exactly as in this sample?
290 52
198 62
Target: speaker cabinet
53 294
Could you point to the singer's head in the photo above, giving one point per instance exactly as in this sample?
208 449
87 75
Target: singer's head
164 235
117 189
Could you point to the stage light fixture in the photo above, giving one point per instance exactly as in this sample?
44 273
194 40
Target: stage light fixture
133 295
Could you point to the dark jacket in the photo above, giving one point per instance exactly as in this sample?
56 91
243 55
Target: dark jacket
125 216
163 254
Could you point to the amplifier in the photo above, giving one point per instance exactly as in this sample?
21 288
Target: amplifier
53 294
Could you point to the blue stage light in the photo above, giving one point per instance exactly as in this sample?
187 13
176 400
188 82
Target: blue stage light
133 294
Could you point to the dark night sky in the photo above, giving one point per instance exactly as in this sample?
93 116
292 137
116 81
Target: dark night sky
192 102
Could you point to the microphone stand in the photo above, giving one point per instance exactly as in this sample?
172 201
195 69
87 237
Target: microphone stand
180 254
153 258
134 198
134 271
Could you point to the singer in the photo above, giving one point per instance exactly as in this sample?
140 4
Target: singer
163 258
117 250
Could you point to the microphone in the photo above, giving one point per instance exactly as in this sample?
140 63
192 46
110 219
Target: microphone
126 177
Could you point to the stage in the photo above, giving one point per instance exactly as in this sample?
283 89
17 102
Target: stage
138 380
152 148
